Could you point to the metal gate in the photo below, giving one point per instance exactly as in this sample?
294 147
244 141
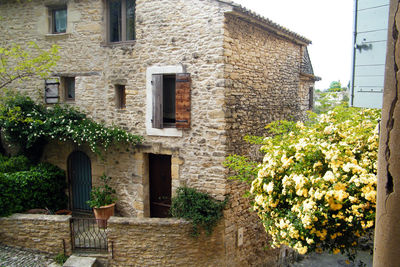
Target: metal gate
89 235
80 178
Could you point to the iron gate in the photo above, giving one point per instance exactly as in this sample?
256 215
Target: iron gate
89 234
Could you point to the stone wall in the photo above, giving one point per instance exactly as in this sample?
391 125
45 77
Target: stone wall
262 72
184 33
242 78
162 242
44 233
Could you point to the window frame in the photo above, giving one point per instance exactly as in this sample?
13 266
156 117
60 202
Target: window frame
167 70
52 17
123 23
65 82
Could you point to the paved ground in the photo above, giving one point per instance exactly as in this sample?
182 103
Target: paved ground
12 257
330 260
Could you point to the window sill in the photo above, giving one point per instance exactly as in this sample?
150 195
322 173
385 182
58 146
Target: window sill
119 44
57 35
168 132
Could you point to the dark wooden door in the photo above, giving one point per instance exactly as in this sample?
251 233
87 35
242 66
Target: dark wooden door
160 185
80 179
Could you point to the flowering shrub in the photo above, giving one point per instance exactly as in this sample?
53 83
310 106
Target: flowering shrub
27 123
316 187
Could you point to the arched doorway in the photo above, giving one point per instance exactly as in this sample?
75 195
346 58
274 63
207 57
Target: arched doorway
80 180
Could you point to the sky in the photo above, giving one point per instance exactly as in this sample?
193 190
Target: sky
328 24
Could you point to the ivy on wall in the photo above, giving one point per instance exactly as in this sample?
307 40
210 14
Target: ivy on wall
31 125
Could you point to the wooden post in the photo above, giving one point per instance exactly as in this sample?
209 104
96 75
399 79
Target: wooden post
387 229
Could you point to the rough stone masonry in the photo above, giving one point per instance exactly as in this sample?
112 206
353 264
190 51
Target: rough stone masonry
245 72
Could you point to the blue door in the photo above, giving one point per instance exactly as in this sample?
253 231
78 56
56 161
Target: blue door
80 178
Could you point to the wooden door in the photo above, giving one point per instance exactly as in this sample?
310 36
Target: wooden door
160 185
80 179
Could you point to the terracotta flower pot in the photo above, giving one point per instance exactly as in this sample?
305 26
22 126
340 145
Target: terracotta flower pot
103 213
63 212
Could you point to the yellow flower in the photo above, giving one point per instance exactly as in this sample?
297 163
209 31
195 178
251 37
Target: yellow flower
336 251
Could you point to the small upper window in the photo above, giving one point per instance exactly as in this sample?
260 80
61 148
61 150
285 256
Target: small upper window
120 96
69 87
58 20
121 20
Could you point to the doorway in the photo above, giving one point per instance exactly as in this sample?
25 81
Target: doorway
160 185
80 180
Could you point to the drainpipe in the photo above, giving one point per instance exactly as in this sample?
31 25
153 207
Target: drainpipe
354 52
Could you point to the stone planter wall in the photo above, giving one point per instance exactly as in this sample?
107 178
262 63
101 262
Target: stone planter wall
162 242
44 233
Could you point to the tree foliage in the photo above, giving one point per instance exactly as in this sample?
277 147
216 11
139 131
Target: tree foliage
316 186
16 63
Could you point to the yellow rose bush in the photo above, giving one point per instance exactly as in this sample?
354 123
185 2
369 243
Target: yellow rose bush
316 186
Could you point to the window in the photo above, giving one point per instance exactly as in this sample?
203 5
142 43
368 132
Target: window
69 88
58 19
171 100
121 20
120 96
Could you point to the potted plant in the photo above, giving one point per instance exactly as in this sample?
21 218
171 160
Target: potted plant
102 201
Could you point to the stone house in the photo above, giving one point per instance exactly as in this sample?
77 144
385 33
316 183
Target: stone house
192 76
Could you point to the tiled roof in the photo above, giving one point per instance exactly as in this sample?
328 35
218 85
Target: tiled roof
266 21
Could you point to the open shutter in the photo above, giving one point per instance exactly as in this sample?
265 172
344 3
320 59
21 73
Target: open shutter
182 100
157 118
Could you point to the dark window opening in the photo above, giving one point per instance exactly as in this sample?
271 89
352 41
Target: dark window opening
169 100
59 20
310 98
120 96
121 16
69 87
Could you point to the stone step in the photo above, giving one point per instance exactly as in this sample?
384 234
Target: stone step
77 261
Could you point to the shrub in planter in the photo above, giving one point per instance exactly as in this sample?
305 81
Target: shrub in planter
13 164
102 200
42 186
199 208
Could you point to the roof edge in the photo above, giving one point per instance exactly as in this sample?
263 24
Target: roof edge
243 12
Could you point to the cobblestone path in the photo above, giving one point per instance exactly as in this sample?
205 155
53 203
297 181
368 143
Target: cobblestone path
12 257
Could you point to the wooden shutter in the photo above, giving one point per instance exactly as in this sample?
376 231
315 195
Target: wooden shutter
157 118
51 91
182 100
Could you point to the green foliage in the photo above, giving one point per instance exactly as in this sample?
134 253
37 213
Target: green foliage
102 195
61 258
201 209
244 169
14 164
316 187
42 186
26 123
336 86
16 63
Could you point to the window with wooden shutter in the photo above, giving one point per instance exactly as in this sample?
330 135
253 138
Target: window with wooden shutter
157 85
171 100
182 100
52 91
